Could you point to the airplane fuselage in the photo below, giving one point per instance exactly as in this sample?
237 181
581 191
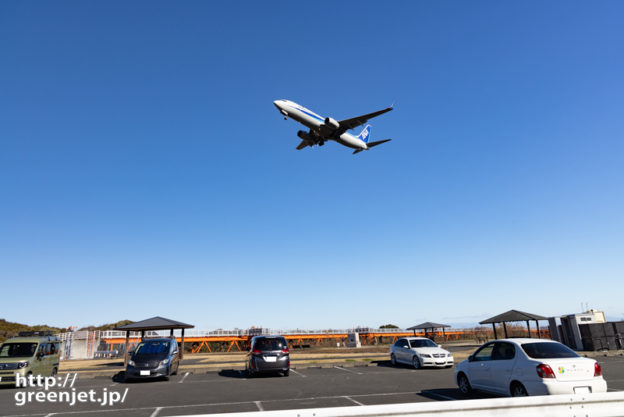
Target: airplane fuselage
316 124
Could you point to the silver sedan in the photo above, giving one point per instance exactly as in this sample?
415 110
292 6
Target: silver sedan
419 352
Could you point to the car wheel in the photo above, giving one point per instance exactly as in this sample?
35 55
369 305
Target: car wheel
286 372
464 384
393 360
415 362
518 390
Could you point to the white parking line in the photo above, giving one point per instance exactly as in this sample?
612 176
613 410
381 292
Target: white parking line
351 399
184 377
298 373
260 408
171 407
156 411
348 370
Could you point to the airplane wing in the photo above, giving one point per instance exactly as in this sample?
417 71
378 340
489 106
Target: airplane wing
354 122
302 145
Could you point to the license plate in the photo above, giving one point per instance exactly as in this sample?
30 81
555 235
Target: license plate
582 390
270 358
145 373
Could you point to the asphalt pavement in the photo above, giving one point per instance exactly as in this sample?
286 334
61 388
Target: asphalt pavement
231 391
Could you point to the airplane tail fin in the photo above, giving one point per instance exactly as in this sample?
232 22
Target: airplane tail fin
365 134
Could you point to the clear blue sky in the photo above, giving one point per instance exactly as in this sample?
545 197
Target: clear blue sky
145 171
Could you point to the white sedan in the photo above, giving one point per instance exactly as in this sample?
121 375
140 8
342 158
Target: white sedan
520 367
419 351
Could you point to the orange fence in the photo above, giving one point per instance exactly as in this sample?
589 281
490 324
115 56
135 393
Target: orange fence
240 343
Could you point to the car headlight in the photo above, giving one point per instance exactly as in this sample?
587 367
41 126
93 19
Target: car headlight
131 363
164 361
449 355
22 365
425 355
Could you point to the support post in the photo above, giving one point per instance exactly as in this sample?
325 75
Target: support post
142 335
505 329
494 327
529 327
171 333
182 346
127 348
538 332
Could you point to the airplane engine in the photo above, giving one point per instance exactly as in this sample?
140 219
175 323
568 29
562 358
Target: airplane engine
304 135
332 123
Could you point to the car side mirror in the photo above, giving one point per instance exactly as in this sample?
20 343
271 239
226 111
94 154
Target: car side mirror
175 352
470 358
40 355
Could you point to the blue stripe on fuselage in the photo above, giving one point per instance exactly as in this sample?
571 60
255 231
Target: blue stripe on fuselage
312 115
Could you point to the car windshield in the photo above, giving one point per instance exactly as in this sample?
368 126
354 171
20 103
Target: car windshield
270 344
152 347
418 343
18 350
548 350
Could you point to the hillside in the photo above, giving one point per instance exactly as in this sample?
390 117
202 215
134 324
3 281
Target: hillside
108 326
9 329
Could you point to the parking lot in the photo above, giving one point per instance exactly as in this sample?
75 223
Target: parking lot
231 391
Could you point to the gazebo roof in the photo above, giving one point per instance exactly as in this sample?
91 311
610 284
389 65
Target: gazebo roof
513 315
428 325
154 323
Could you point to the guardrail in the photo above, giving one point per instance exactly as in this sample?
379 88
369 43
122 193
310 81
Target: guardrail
608 404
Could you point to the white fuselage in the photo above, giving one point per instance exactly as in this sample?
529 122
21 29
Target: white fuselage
316 123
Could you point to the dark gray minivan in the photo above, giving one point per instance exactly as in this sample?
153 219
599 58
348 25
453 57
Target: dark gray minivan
268 354
154 358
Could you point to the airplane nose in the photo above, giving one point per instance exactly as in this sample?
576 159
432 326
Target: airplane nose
276 103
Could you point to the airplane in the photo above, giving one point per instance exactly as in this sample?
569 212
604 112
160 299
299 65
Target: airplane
324 129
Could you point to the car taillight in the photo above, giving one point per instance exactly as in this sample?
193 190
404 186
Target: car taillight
285 350
256 352
545 371
597 369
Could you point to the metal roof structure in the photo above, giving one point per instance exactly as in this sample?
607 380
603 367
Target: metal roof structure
154 323
514 315
428 325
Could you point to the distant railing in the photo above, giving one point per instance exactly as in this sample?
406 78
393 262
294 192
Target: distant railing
116 334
